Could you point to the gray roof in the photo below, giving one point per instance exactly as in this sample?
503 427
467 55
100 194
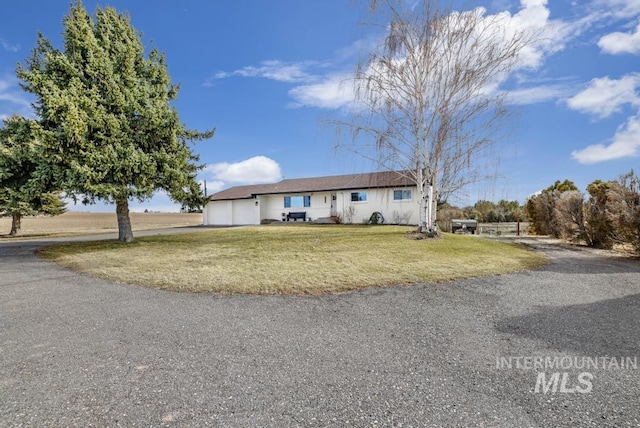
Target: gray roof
317 184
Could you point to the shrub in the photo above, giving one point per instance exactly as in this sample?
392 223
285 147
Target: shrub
568 213
541 209
444 216
348 213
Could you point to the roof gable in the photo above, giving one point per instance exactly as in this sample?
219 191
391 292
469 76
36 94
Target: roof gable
317 184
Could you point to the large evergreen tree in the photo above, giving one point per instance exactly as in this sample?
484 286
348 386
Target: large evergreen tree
105 107
22 190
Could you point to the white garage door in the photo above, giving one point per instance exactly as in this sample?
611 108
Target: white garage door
219 213
245 212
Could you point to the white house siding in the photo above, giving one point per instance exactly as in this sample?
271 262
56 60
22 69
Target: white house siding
246 212
378 200
272 206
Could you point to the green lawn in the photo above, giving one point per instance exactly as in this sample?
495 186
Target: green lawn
291 259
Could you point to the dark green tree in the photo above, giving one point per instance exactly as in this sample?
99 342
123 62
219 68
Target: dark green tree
105 108
483 210
509 210
561 186
22 190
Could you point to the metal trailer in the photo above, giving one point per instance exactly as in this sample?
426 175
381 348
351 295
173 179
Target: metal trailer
461 225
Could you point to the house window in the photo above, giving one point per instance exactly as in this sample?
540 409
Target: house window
297 201
402 195
358 196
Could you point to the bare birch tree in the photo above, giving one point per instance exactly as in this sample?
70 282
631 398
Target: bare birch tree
427 102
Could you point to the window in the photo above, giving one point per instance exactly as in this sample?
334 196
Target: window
358 196
297 201
402 195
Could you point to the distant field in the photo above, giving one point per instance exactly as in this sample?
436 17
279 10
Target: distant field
76 223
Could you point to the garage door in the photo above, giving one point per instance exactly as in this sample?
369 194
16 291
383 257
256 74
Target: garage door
219 213
245 212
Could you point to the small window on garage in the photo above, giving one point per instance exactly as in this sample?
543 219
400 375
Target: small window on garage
358 196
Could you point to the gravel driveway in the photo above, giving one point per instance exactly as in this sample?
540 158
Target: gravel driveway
79 351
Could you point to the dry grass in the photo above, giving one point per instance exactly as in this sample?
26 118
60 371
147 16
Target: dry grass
77 223
292 259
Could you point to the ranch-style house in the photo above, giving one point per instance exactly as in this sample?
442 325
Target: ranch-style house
352 198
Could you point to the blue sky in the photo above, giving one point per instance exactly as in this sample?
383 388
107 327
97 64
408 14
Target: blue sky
266 74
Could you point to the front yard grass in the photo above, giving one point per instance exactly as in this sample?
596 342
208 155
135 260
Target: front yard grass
291 259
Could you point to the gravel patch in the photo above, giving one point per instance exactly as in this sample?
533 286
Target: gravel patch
78 351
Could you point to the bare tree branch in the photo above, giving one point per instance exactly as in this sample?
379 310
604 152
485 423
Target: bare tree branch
427 102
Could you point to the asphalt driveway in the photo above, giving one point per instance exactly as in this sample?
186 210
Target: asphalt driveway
79 351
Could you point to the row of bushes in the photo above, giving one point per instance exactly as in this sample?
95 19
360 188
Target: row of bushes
607 215
483 211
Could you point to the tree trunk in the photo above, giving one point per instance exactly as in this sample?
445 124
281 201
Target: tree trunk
125 234
424 217
433 210
16 224
422 197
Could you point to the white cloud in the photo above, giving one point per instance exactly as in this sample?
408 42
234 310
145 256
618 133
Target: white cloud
356 48
554 35
606 96
315 87
626 143
621 43
272 69
212 186
550 36
334 92
320 88
12 99
538 94
337 91
9 47
258 169
5 83
619 8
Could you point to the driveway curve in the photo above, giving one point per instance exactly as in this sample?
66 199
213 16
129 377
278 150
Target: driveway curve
80 351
